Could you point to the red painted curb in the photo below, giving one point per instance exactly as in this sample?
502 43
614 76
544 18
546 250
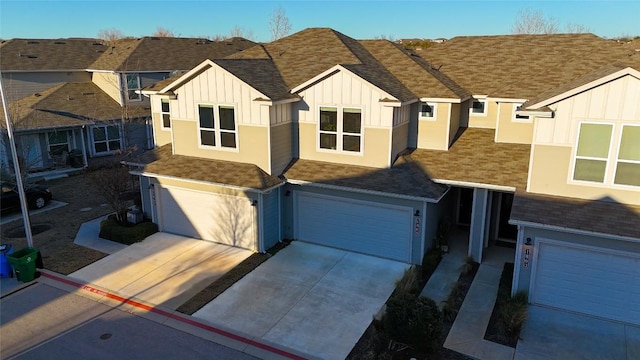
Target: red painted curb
173 316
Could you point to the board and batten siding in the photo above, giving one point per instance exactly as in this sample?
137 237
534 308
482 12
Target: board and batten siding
20 85
343 89
554 140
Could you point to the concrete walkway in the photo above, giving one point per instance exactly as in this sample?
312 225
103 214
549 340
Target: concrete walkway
87 236
467 333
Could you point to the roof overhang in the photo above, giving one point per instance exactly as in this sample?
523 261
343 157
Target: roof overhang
572 231
475 185
442 100
509 100
277 102
544 112
234 187
613 76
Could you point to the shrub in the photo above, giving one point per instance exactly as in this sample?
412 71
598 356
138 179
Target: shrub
430 262
409 283
513 314
127 234
416 322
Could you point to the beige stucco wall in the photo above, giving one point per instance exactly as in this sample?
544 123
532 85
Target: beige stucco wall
550 172
376 147
487 121
108 82
510 131
252 141
432 134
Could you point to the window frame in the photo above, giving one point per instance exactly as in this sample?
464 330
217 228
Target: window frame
339 132
107 140
485 108
617 159
163 113
434 112
515 118
49 144
129 90
217 129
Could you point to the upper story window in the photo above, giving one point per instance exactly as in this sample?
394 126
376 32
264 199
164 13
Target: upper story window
133 85
519 118
596 154
217 131
340 129
478 107
164 111
427 111
106 139
628 160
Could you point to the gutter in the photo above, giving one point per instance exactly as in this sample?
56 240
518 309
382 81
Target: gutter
475 185
573 231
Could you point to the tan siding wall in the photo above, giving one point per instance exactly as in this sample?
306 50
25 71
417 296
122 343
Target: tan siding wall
616 101
19 85
280 148
375 154
108 82
510 131
252 144
400 137
161 135
551 169
432 134
487 121
454 122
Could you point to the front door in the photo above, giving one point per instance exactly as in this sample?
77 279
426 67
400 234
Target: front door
30 151
465 206
506 231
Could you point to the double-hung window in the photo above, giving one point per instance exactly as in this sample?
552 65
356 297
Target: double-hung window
340 129
628 160
592 154
133 85
217 131
58 142
164 111
427 111
106 139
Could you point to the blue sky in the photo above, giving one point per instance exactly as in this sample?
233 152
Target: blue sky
358 19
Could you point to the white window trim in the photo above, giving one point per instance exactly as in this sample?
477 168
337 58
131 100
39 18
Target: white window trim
485 108
339 130
162 113
607 181
66 132
616 160
217 129
435 111
138 88
93 142
514 117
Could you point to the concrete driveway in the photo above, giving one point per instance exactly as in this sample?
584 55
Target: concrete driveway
557 334
310 298
164 269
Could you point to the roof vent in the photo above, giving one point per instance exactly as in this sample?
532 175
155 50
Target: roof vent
37 94
31 42
59 42
68 97
88 93
96 43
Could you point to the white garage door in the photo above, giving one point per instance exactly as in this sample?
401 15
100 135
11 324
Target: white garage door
598 283
365 227
220 218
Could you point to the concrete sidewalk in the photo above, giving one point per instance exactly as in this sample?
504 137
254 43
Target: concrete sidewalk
87 236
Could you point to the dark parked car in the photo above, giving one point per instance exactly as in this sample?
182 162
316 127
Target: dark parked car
37 196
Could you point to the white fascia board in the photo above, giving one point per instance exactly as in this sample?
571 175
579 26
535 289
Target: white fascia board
587 86
508 100
196 70
442 100
277 102
572 231
363 191
536 113
233 187
476 185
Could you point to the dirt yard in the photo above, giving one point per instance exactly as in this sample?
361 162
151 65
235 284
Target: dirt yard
56 229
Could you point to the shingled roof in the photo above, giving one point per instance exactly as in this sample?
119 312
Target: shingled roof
520 66
404 178
577 214
475 158
49 54
68 104
165 53
221 172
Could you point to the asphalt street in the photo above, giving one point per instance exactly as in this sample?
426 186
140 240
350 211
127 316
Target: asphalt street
42 321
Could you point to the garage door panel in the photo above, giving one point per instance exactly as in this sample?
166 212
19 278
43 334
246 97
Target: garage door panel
355 225
598 283
220 218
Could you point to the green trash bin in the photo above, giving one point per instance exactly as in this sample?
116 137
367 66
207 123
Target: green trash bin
24 263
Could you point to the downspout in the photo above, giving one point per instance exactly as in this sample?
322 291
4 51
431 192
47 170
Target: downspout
260 209
84 147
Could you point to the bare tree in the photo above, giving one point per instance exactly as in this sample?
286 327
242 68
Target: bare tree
163 32
531 21
238 31
384 37
279 24
577 28
110 35
113 183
